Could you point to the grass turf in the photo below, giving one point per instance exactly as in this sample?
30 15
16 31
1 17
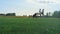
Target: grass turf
29 25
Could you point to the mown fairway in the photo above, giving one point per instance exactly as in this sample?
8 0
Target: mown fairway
29 25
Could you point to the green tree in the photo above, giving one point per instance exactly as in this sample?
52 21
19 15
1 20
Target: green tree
56 14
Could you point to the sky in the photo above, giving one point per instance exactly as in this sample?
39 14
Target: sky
28 7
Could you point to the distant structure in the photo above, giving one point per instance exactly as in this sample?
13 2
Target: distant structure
41 13
35 15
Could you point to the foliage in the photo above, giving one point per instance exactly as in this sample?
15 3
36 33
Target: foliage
10 14
56 14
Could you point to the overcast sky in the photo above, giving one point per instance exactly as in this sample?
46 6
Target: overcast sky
28 7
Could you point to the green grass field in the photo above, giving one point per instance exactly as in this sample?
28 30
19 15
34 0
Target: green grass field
29 25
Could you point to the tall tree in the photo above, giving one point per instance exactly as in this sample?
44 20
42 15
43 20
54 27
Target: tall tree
56 14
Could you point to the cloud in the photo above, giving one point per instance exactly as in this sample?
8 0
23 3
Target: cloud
29 7
43 1
42 4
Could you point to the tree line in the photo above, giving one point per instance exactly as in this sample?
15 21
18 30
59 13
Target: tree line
8 14
56 14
